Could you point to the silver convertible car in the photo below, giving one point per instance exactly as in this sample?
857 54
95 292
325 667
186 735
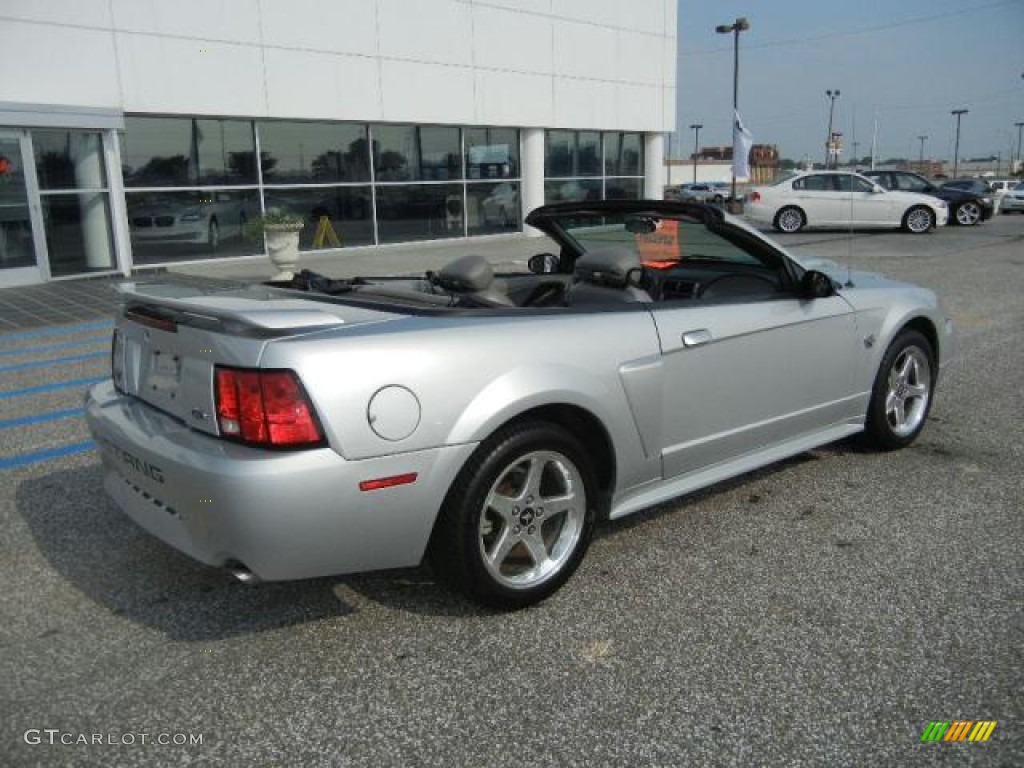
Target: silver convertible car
488 422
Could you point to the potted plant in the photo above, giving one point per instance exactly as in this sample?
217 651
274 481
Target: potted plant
281 231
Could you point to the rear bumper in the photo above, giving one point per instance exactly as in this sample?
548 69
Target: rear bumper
282 515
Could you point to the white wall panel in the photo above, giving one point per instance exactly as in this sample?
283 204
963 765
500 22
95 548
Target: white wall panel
90 13
513 98
35 70
340 26
584 50
638 106
429 93
510 40
644 16
432 30
165 74
526 6
600 12
584 104
234 20
330 86
639 57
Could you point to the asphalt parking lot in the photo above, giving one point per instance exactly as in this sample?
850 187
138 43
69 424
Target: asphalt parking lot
820 612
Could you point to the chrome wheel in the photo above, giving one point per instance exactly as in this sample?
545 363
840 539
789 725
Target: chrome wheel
532 519
918 220
968 214
909 390
790 220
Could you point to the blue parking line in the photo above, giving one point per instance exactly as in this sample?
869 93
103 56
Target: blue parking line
40 418
46 455
52 361
51 387
58 330
52 347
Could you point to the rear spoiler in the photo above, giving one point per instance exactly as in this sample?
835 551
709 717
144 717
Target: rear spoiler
234 310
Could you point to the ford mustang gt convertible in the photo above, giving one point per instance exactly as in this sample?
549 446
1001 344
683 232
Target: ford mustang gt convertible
487 422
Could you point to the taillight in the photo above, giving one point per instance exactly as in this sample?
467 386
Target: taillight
755 197
266 408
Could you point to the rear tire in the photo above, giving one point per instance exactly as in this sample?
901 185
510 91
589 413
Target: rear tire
901 397
518 519
790 219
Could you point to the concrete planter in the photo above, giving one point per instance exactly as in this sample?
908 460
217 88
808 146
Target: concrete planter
283 248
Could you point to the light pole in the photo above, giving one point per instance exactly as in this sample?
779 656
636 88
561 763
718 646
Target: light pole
956 147
740 25
920 161
1019 126
695 127
832 95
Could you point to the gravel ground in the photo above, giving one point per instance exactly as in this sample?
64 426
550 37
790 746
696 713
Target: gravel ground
819 612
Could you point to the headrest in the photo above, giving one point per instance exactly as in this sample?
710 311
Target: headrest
609 266
469 274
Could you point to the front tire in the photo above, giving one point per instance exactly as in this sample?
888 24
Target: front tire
968 214
902 393
518 519
790 219
918 220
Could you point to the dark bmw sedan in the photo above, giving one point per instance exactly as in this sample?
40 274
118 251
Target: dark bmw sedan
969 200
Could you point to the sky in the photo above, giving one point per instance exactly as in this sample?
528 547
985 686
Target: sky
906 63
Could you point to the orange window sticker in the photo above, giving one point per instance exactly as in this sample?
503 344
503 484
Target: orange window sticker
661 245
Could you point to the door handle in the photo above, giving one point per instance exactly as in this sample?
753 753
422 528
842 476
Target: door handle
696 338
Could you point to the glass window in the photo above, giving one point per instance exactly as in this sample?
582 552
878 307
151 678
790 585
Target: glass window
493 208
77 232
69 160
588 154
336 217
313 153
559 151
492 153
820 183
623 189
16 246
419 212
167 152
176 226
572 190
415 153
623 154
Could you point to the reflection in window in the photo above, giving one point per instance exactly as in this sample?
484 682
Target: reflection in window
313 153
336 217
168 152
492 153
419 212
572 190
559 153
623 154
493 208
77 232
588 154
69 159
416 153
623 189
175 226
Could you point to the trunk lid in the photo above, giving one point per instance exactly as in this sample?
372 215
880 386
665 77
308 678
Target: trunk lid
168 338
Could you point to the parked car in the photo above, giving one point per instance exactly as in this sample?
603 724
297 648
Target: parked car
966 207
702 193
490 424
1013 201
841 199
206 218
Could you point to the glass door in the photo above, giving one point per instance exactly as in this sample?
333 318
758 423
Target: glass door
20 225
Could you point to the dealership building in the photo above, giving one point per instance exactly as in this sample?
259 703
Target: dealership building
143 133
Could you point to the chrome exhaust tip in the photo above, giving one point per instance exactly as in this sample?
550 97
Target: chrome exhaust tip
243 574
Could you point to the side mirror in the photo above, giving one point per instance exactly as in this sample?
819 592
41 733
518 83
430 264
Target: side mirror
543 264
816 285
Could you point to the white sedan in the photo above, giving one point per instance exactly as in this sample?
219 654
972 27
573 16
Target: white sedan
841 199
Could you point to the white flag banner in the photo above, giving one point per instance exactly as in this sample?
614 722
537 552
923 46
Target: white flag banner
742 140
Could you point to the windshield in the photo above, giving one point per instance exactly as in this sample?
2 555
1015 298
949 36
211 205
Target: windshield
659 241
